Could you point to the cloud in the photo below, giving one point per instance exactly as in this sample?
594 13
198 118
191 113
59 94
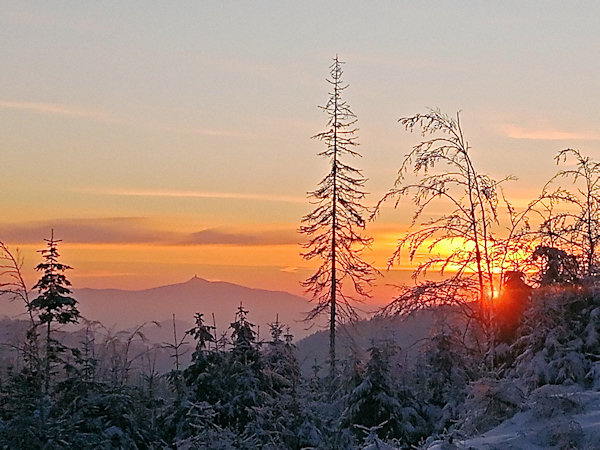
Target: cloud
54 108
76 111
214 236
137 230
546 134
205 194
119 230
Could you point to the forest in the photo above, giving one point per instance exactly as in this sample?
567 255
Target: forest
511 292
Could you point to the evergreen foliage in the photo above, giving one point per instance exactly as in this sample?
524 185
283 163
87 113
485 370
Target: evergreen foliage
442 374
54 303
559 340
247 394
541 334
378 403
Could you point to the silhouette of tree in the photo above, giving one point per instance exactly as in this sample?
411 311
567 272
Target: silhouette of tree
333 226
557 266
472 196
11 281
54 303
202 333
577 230
511 305
463 243
13 285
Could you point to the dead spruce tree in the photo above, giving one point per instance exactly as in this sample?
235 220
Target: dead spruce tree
333 227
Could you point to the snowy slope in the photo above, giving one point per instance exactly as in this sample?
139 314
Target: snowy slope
555 417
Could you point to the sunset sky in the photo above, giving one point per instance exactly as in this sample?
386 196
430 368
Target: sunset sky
166 139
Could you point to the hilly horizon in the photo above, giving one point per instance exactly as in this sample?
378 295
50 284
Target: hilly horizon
126 308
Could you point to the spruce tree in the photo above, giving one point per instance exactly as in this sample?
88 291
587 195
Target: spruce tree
54 303
333 227
244 374
373 403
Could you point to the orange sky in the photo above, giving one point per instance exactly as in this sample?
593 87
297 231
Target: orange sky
163 142
254 257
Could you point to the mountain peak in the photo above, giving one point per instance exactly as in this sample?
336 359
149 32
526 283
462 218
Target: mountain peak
196 279
184 299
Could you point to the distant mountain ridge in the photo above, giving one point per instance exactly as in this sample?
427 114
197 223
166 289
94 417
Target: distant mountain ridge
356 338
126 308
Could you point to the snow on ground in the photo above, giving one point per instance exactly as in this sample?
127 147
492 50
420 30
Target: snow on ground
560 417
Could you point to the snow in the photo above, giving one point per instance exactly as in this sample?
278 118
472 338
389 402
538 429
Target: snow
544 425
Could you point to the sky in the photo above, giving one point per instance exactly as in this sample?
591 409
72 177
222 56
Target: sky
163 140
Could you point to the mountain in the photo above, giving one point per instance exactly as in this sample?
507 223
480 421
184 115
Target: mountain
123 308
357 337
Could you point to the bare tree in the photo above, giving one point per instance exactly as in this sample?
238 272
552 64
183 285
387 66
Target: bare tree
178 349
472 198
13 285
463 243
575 227
333 227
12 282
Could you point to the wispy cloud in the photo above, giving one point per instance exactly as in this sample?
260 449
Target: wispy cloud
214 236
118 230
138 230
54 108
203 194
77 111
546 134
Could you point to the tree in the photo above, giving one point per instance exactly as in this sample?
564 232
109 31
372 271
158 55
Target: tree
13 284
443 371
280 417
577 230
373 402
557 266
281 364
246 368
175 376
472 197
54 303
378 403
205 379
463 243
333 227
11 281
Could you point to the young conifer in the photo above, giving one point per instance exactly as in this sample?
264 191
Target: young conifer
54 303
